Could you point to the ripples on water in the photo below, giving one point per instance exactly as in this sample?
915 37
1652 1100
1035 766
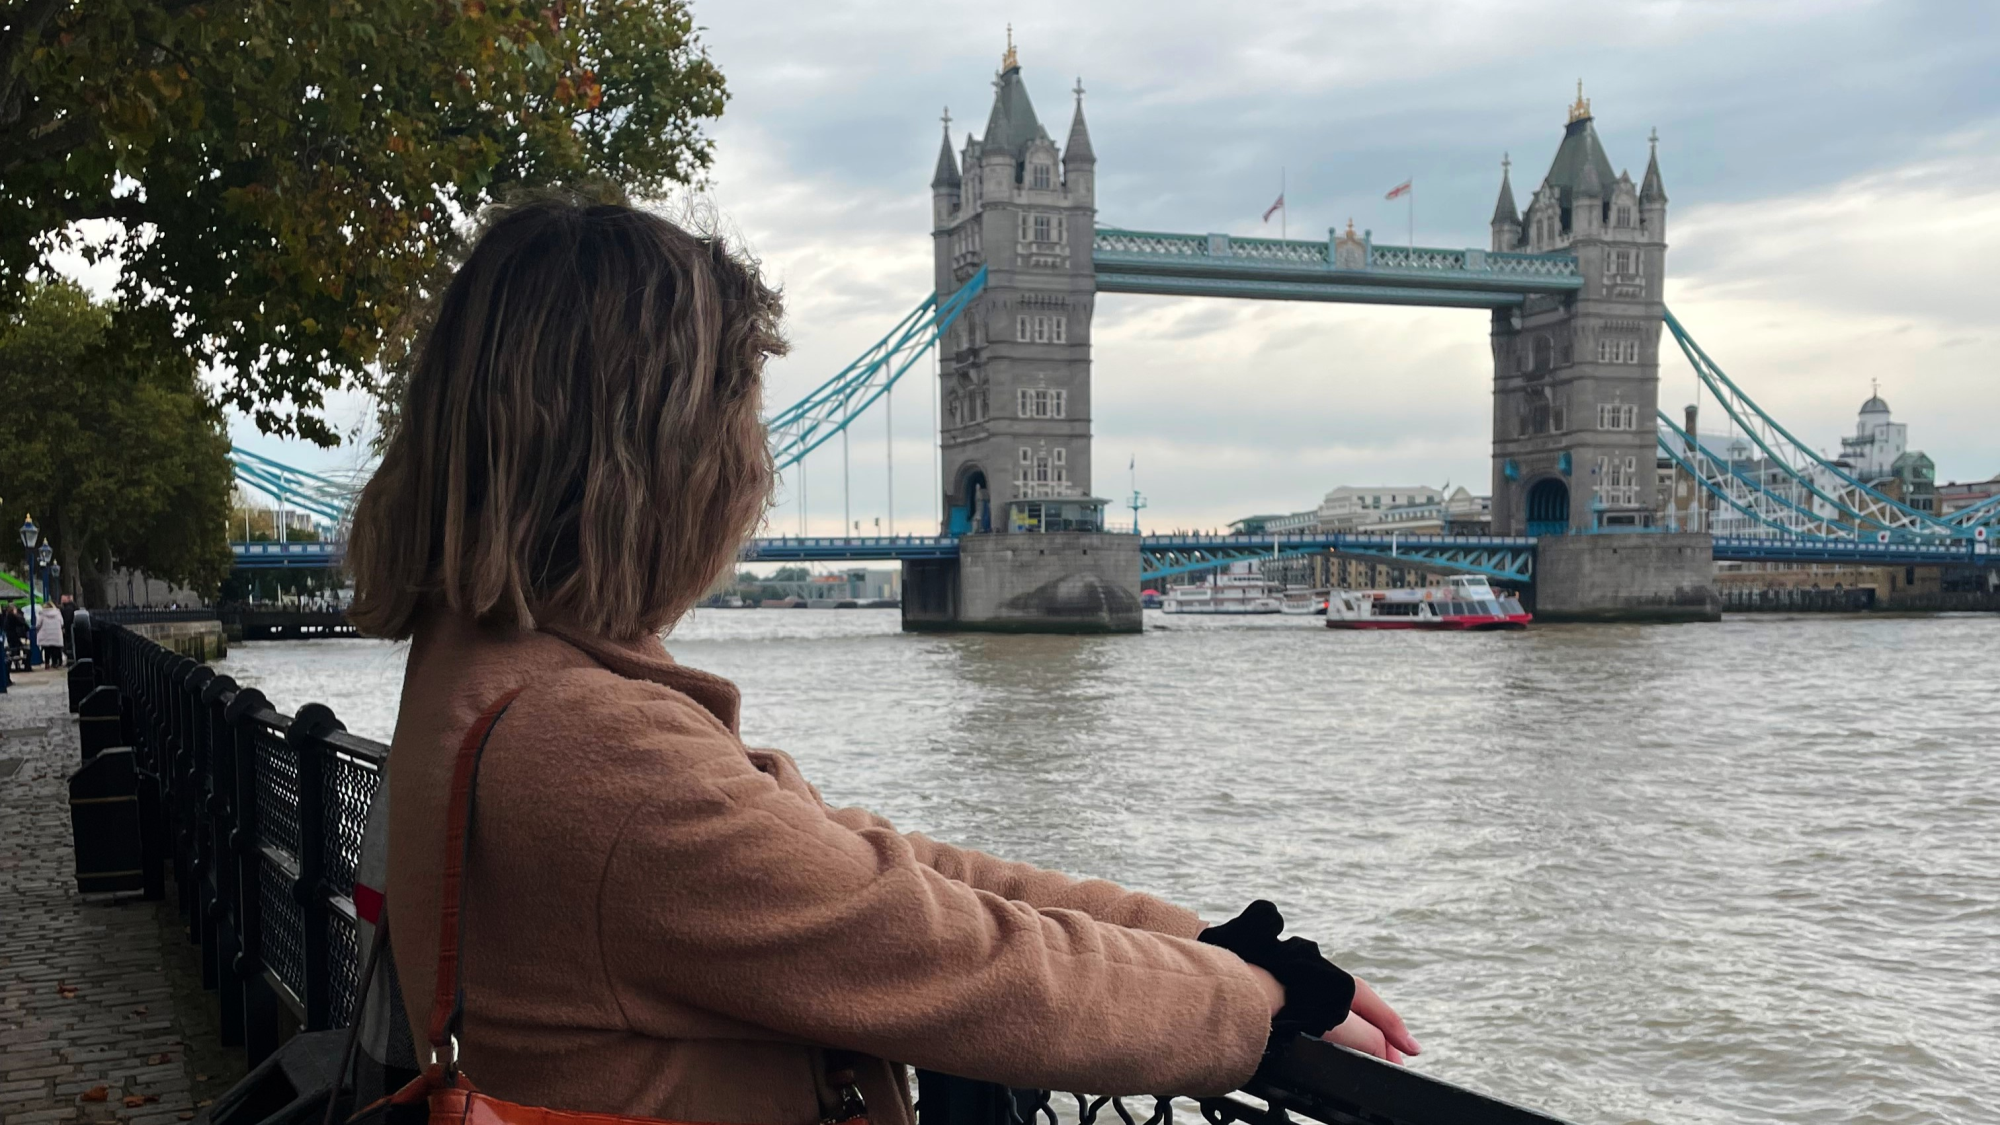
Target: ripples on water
1706 873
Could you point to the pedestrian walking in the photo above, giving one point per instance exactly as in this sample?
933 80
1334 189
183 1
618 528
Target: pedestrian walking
50 634
17 637
657 919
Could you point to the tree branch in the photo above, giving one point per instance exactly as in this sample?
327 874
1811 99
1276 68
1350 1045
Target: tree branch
13 44
46 141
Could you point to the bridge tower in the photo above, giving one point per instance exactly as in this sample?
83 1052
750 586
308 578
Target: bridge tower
1015 381
1576 384
1576 378
1014 385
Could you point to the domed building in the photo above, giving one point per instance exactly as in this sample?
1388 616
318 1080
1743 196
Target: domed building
1877 441
1879 455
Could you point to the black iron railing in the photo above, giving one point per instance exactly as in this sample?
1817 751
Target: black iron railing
259 817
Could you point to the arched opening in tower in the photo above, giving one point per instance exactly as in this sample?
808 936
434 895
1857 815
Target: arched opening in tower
1548 507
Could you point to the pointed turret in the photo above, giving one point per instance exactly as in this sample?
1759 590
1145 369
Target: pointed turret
1506 217
947 188
1580 150
946 176
1652 190
1012 125
1077 150
1504 210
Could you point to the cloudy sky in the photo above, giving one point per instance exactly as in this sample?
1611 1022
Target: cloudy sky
1834 171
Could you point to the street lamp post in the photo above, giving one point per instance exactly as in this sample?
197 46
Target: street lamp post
30 535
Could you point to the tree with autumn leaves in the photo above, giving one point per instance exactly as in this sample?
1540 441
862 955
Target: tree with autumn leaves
284 181
283 185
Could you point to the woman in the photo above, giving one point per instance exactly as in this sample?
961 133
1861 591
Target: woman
661 921
49 634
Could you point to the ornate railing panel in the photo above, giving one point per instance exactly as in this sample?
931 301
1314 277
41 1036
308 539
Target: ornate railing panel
1532 265
1414 258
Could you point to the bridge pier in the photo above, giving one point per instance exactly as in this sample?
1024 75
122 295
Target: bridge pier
1025 582
1626 577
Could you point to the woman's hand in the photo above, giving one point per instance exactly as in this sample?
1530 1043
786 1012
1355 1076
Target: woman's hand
1373 1028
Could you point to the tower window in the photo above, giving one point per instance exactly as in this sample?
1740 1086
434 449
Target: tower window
1624 217
1617 351
1058 329
1618 480
1621 262
1039 177
1021 328
1617 416
1041 403
1044 228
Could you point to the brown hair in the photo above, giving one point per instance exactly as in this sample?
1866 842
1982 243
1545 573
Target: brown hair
580 437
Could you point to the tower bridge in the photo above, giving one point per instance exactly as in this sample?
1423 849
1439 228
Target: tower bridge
1572 284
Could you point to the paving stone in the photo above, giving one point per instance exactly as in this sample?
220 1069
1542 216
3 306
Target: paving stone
115 952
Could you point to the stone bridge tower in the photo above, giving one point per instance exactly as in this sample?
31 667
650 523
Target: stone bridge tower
1015 380
1014 391
1576 378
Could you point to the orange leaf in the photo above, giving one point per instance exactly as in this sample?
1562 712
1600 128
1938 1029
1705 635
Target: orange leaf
95 1094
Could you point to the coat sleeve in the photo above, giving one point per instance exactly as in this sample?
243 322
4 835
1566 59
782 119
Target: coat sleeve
728 893
1038 887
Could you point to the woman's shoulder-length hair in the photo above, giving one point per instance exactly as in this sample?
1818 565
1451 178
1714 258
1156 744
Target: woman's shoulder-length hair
580 437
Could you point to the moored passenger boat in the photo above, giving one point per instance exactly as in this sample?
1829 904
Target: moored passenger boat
1303 601
1239 589
1463 603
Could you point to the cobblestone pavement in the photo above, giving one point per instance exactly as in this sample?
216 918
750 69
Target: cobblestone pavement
96 1014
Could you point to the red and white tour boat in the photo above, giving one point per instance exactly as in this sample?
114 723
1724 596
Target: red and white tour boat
1463 602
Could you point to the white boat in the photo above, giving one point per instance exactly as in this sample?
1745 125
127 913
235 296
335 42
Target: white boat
1464 602
1239 589
1303 601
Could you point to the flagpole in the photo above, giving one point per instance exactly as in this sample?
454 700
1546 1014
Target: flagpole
1283 212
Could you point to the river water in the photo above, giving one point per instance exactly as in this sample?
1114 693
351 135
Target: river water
1705 873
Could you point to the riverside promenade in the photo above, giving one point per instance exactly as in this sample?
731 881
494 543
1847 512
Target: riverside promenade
102 1016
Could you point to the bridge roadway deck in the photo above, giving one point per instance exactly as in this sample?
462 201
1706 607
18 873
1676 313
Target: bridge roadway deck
1221 547
1217 265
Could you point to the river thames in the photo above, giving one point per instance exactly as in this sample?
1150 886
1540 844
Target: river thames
1703 873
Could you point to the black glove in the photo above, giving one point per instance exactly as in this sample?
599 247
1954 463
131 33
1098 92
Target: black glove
1317 992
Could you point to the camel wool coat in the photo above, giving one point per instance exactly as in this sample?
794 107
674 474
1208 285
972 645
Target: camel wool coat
663 922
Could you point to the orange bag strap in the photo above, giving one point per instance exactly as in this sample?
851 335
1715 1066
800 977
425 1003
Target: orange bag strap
448 999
